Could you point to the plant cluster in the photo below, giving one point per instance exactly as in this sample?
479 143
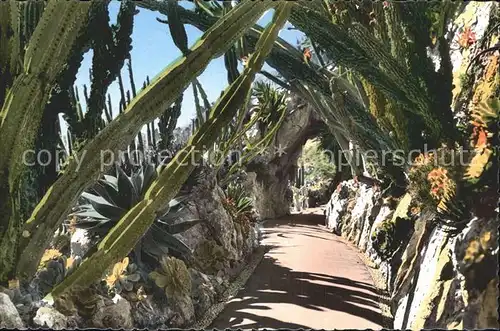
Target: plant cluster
114 195
211 256
123 277
433 176
390 235
173 277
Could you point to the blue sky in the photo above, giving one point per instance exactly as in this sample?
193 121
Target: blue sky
153 50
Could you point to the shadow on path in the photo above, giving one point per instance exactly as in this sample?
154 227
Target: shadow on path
306 280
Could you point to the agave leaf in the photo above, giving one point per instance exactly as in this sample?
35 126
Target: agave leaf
89 213
150 175
126 192
111 190
112 180
137 179
164 238
105 191
107 210
95 198
183 226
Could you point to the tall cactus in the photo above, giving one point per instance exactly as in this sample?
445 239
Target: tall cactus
289 63
123 237
22 110
148 105
111 46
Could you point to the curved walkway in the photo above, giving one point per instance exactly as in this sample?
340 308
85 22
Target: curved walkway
308 279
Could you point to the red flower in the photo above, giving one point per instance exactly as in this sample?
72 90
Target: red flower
385 4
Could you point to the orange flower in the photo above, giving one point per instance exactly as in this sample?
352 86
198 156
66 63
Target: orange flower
307 53
467 38
482 138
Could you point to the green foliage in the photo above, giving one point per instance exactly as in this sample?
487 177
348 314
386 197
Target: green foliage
113 196
173 277
54 271
237 193
170 83
123 276
318 163
390 235
271 103
210 256
22 109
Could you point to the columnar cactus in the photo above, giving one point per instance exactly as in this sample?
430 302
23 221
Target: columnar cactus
22 110
123 237
148 105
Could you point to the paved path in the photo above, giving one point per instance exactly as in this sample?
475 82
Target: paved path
309 279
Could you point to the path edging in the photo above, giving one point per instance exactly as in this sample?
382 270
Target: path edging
235 286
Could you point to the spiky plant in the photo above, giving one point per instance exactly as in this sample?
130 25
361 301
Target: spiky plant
148 105
113 196
237 194
271 102
54 271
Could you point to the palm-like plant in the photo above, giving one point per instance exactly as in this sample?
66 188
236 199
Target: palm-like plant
237 194
113 196
271 103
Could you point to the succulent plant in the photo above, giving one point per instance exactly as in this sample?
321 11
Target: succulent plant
210 256
81 301
113 196
390 235
49 255
54 271
238 195
123 276
173 277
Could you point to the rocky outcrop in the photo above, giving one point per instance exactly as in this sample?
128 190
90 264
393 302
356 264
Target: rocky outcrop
208 275
436 279
270 173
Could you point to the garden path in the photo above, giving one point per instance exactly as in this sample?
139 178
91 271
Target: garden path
310 278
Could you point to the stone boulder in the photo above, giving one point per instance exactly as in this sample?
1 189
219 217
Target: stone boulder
9 317
51 318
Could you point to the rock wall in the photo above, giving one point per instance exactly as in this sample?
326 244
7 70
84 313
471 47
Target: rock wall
269 173
221 248
436 279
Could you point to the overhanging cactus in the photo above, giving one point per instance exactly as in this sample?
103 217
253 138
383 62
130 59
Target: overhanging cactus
22 111
149 104
132 226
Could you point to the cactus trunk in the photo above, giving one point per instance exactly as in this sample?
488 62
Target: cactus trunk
22 111
149 104
123 237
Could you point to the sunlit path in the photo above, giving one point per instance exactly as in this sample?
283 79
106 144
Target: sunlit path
309 279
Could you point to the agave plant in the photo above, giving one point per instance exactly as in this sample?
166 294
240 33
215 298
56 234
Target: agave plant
271 102
113 196
237 194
